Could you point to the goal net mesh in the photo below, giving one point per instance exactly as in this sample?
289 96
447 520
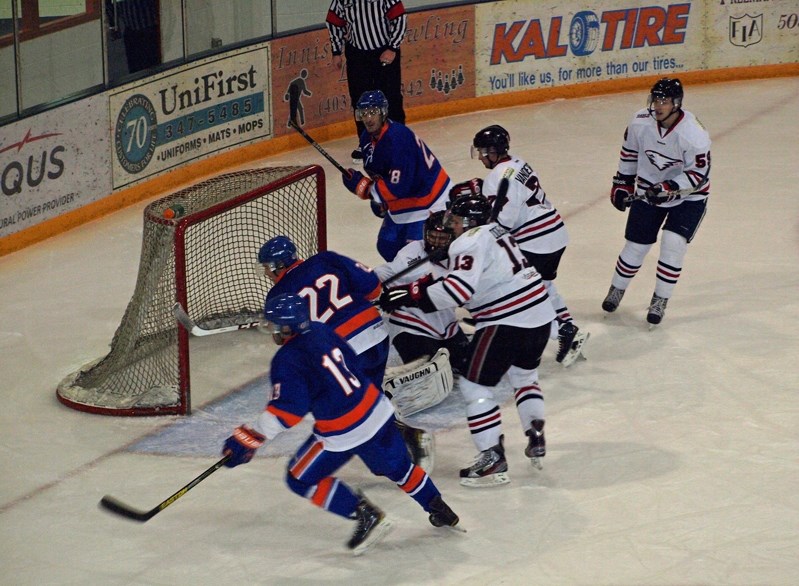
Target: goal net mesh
205 258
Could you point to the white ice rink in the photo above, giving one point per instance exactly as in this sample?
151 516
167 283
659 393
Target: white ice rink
673 454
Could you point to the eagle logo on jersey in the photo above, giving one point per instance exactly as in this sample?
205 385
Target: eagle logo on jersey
661 161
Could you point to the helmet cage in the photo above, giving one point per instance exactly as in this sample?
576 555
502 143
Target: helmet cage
437 236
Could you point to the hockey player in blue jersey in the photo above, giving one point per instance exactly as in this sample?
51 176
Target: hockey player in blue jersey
315 371
404 180
340 292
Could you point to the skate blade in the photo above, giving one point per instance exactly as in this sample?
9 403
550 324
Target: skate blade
486 481
375 536
537 463
576 351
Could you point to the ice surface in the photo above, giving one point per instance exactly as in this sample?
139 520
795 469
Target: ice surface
673 454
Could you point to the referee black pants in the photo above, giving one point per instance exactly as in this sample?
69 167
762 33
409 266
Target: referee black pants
365 73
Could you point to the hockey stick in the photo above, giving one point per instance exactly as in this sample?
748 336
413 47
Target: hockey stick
502 197
294 101
196 330
436 255
680 192
120 508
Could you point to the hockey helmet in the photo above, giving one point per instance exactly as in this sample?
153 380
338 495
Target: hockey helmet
474 209
436 235
491 139
369 101
288 315
278 253
667 87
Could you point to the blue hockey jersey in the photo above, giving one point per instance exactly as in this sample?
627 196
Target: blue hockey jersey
340 292
317 372
408 178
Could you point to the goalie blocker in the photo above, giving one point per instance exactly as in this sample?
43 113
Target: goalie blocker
420 384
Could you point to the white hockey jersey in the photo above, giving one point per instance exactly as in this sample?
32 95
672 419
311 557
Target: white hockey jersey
527 214
440 325
680 153
488 275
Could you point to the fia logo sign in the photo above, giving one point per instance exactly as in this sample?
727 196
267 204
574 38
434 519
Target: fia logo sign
746 30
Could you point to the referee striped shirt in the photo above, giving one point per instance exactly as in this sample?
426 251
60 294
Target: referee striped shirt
366 24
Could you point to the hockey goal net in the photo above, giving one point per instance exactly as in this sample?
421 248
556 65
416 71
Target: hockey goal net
204 259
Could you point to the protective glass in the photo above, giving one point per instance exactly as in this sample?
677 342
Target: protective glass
659 101
477 152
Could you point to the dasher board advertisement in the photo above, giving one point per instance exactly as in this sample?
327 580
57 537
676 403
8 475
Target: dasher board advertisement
190 112
52 163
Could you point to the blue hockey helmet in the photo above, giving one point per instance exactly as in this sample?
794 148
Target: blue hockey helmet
278 253
371 100
289 315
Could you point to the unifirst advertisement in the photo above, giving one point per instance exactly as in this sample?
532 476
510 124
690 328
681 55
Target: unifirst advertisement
52 163
190 112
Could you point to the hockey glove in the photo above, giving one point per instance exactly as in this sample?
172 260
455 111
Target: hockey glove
622 191
378 209
411 295
470 187
663 193
357 183
242 445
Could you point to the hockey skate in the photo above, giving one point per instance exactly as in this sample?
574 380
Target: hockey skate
657 309
442 516
536 443
612 299
372 526
570 343
420 445
490 468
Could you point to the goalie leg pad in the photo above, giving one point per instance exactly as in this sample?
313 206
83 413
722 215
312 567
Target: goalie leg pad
420 384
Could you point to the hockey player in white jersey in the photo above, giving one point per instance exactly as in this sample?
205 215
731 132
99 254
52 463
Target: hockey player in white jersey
489 275
413 332
664 178
429 344
533 221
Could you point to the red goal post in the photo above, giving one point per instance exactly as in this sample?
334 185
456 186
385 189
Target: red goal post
204 258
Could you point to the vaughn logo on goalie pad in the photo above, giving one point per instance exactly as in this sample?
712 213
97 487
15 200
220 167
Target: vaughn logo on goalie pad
413 376
420 384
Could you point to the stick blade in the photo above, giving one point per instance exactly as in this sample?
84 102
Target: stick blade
117 507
